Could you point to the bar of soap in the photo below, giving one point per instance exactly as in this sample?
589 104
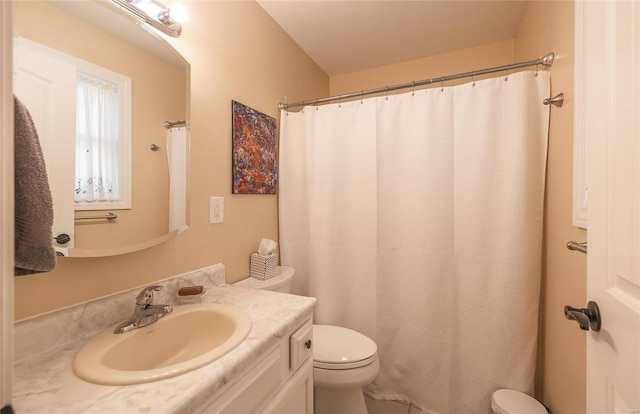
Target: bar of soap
190 290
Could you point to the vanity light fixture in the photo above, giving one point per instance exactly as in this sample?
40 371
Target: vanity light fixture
165 19
177 13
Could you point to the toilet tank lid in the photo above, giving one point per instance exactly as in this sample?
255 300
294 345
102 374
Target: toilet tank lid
512 402
338 345
283 276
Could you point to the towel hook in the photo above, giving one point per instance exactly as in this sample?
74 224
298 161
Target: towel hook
557 100
154 147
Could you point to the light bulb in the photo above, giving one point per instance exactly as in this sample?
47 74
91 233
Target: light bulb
178 12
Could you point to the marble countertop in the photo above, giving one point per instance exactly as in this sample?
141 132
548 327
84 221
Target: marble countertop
45 382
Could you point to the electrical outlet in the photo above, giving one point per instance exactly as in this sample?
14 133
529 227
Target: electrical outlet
216 210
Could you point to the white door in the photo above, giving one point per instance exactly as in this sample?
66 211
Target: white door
612 125
47 86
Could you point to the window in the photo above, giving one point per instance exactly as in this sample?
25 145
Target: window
103 140
97 140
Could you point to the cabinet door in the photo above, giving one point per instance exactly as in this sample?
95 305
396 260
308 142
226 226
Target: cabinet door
255 388
296 397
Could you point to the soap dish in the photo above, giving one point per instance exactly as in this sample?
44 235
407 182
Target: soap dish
187 297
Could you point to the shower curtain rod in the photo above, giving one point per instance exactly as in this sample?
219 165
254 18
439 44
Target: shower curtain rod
546 60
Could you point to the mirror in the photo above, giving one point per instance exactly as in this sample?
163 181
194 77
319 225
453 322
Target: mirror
102 35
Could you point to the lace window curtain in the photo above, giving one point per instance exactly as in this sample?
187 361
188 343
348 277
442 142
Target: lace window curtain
97 140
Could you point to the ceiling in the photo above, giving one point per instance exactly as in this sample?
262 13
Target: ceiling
344 36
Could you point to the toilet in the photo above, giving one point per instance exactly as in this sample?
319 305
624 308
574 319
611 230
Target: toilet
507 401
343 360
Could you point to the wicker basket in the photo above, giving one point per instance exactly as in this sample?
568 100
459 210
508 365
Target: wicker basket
263 267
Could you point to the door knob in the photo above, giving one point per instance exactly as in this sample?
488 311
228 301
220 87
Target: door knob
62 238
588 317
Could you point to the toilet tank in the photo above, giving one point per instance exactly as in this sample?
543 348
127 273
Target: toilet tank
281 282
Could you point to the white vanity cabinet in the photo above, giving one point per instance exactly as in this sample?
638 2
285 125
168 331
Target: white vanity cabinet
271 371
279 382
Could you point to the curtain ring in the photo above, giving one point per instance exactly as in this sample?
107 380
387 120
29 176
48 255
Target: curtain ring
316 104
442 84
536 74
506 77
473 78
413 88
386 93
361 95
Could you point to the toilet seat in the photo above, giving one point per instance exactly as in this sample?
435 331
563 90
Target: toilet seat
507 401
337 348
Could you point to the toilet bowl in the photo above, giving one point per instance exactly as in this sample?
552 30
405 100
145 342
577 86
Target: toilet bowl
507 401
343 360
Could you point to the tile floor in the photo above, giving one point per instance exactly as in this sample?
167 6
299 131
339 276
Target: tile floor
390 407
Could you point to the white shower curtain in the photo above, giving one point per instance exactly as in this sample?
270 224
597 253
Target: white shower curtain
417 220
177 158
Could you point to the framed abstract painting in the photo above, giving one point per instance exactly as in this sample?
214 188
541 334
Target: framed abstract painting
255 149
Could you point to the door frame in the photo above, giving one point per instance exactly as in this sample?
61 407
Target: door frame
6 203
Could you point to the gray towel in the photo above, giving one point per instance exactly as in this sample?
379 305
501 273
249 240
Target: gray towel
34 251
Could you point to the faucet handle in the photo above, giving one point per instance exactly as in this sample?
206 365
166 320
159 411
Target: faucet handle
145 297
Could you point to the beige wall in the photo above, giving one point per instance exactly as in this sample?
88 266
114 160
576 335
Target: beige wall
236 52
548 26
481 57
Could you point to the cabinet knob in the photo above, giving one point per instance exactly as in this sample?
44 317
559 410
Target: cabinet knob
308 344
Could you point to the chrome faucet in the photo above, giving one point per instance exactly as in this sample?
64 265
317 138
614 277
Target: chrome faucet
145 312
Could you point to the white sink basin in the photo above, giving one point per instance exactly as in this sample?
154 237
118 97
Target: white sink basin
189 337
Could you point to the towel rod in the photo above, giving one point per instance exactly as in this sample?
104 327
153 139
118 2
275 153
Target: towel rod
580 247
108 216
170 124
